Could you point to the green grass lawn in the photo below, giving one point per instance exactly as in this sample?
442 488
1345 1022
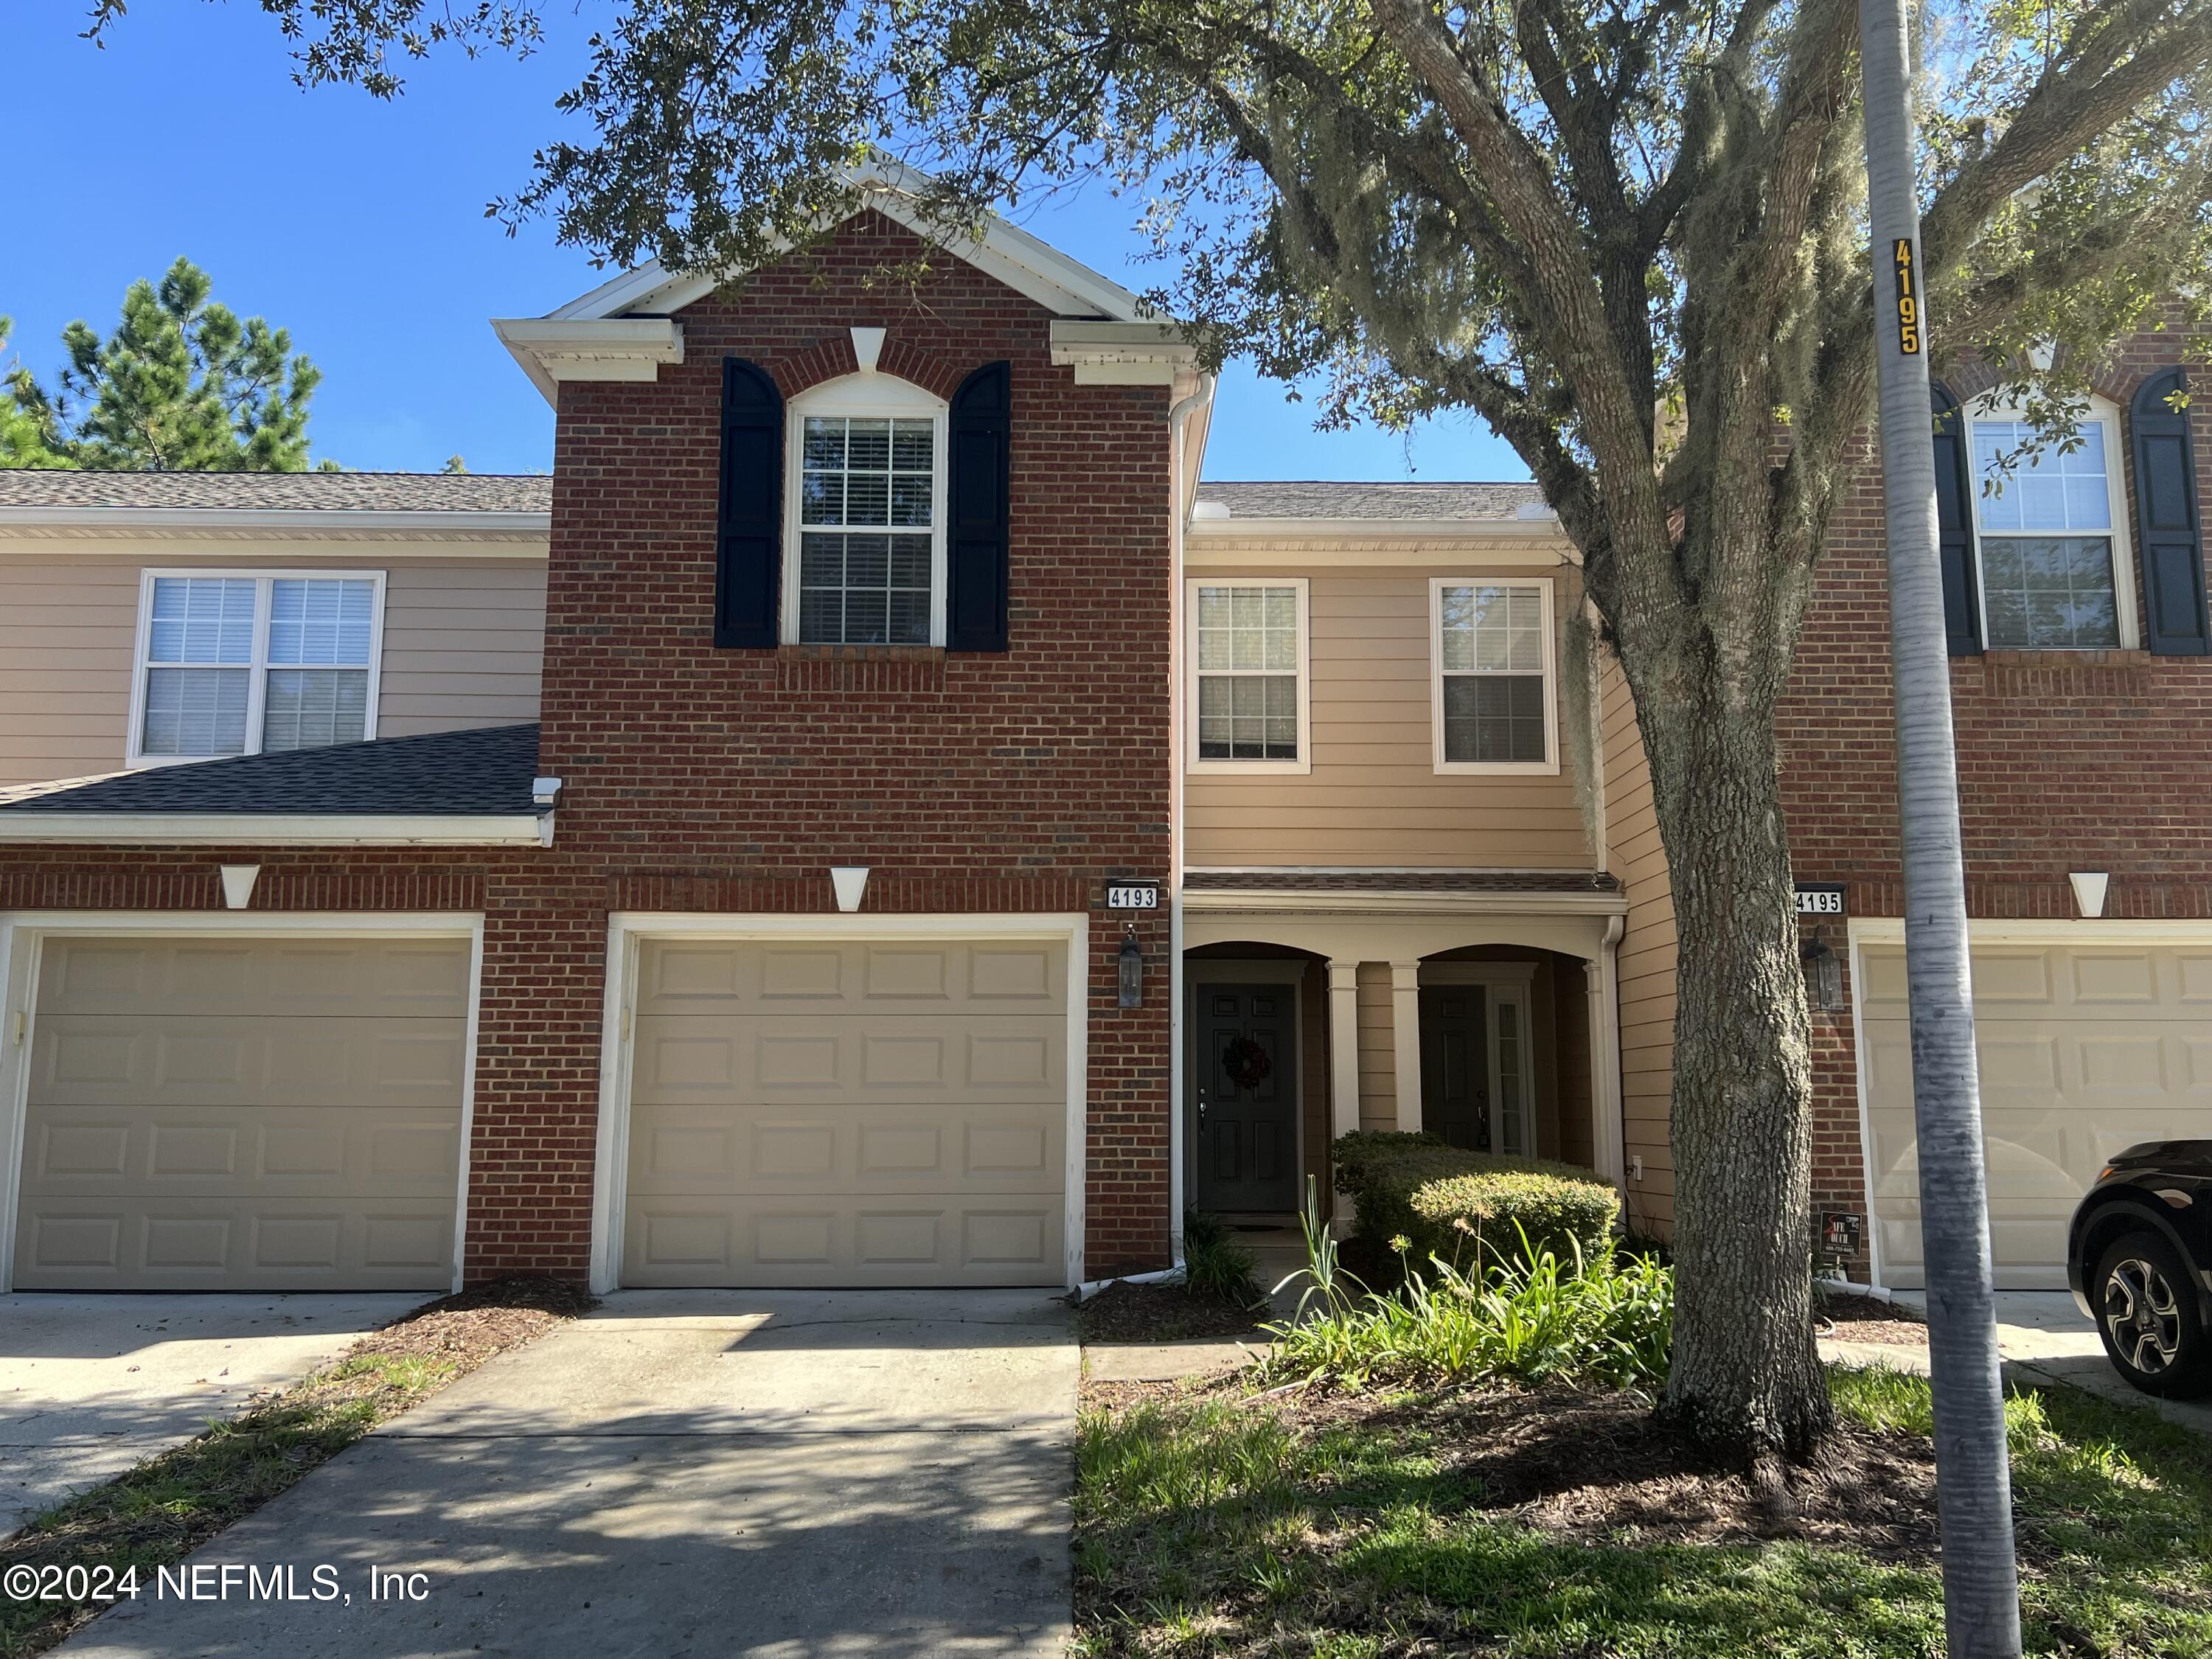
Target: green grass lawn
1215 1525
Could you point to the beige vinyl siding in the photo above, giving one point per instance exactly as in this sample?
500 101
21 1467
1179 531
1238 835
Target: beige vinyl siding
463 642
1373 796
1378 1062
1646 958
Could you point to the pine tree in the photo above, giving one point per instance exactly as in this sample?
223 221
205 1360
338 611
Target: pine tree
181 386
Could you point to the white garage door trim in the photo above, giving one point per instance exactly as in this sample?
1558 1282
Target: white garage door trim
627 931
1864 930
23 935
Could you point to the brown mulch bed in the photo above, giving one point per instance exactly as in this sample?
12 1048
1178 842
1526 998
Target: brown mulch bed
1866 1319
1123 1312
467 1329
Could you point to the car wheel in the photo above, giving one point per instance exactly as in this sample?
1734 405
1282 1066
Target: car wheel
2148 1316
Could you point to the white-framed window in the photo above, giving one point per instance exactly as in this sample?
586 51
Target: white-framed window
243 662
1492 707
1250 691
2050 536
864 529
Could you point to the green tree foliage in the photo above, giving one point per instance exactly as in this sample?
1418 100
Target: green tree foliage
181 386
1629 235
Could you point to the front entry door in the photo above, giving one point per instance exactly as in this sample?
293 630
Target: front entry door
1244 1087
1456 1066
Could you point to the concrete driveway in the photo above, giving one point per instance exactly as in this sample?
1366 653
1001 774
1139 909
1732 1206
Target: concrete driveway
773 1472
90 1385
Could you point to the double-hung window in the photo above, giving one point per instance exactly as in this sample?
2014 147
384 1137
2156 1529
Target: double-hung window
867 462
1493 706
2049 537
242 664
1249 675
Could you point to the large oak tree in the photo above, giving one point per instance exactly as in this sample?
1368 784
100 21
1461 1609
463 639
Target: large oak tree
1629 235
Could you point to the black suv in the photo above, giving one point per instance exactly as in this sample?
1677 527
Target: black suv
2139 1258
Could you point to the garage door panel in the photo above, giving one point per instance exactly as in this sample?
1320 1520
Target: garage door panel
356 978
2084 1051
818 1057
862 1149
870 1113
695 977
279 1114
937 1238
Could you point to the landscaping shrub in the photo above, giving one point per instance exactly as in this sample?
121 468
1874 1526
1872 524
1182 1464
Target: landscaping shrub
1534 1315
1470 1209
1214 1264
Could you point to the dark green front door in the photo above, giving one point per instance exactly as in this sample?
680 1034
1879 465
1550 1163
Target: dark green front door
1456 1066
1244 1089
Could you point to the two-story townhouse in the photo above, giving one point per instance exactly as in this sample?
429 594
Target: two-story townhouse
891 653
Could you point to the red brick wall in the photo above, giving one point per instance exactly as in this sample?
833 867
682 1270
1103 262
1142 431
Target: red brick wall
698 779
2067 761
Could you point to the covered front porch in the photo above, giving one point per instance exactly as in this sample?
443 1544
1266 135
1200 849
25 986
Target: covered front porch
1480 1006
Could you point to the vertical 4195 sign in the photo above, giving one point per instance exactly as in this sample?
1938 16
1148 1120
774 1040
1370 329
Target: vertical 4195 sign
1908 301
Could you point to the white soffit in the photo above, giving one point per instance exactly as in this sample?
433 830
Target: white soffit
590 348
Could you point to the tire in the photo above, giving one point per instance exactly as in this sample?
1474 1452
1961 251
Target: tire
2149 1318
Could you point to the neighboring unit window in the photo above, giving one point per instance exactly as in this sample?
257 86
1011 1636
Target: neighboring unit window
1248 653
1493 648
2047 539
242 664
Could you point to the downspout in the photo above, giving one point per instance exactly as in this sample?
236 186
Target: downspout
1179 428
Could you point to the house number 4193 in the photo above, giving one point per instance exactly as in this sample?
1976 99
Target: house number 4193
1133 896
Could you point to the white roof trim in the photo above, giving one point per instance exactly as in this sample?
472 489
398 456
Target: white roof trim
303 523
1032 268
1206 527
1122 353
1324 901
277 829
590 348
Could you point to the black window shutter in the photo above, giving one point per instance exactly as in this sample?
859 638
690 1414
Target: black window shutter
1954 522
2170 539
977 534
748 525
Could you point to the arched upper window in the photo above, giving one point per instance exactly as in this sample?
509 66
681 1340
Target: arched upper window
2050 532
866 520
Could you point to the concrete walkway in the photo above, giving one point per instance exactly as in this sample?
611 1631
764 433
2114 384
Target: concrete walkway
708 1473
2044 1338
90 1385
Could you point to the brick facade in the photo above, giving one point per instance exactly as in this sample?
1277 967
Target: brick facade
730 781
2067 761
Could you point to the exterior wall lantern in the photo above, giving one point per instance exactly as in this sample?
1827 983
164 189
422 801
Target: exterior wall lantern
1823 976
1131 962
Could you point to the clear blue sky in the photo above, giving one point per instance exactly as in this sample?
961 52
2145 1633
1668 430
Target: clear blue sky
360 226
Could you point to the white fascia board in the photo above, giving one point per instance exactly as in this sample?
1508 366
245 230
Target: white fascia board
313 523
553 349
1320 901
273 829
1122 353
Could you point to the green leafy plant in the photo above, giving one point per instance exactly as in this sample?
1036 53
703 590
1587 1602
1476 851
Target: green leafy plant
1472 1208
1214 1264
1534 1315
1328 1287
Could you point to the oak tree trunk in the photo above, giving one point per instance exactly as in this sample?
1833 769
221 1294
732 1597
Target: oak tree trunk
1745 1375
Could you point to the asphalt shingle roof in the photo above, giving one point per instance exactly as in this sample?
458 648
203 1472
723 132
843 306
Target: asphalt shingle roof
282 492
1399 881
1312 499
487 771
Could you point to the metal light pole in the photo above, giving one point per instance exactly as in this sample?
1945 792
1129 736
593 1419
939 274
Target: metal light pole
1973 1478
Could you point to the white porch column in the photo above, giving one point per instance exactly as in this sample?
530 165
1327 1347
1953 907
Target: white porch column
1608 1153
1405 1040
1343 1047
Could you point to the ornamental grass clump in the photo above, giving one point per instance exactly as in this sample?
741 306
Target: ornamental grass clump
1472 1209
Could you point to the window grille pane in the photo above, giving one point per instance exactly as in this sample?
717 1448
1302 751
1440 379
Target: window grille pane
321 622
873 472
1494 718
201 619
1511 1137
2047 490
2050 594
310 708
195 711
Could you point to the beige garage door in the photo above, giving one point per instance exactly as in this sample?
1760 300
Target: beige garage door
213 1113
848 1113
2084 1050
